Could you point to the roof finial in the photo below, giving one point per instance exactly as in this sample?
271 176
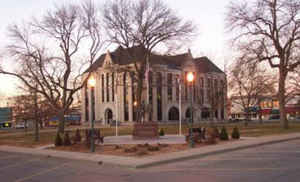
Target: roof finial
189 51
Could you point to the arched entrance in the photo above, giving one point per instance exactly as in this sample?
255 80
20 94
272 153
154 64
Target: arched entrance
173 114
205 114
108 115
188 113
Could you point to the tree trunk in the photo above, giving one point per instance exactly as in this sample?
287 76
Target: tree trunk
281 98
61 117
139 99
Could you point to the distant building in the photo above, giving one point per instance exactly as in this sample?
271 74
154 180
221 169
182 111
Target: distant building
6 117
267 107
114 94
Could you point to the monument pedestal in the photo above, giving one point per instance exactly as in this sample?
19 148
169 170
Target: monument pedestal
146 130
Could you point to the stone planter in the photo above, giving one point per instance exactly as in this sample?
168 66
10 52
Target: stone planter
146 130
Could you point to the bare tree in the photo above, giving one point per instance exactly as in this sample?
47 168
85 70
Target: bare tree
50 53
24 109
248 83
145 25
269 31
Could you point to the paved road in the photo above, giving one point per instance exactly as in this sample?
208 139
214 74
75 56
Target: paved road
274 163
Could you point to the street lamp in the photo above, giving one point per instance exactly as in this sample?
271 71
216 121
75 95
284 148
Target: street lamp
92 84
190 77
179 85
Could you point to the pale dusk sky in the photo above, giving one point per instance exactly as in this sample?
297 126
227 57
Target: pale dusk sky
209 16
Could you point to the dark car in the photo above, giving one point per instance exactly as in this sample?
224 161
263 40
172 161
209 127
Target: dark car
235 120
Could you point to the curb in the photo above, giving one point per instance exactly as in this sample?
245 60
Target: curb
139 163
221 151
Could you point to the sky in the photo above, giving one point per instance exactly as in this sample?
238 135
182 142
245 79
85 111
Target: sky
209 16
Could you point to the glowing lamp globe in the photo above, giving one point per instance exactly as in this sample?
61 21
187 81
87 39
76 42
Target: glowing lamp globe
92 82
190 77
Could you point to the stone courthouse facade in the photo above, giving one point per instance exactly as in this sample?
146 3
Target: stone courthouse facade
113 97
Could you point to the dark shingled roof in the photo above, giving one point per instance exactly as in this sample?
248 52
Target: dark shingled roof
121 56
204 65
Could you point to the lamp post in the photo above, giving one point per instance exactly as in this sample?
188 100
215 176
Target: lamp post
179 84
92 84
190 78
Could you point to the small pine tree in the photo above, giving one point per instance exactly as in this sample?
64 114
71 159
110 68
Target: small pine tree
216 132
224 134
67 141
161 132
235 133
58 141
77 138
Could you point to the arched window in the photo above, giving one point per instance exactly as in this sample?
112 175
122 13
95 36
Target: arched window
173 114
188 113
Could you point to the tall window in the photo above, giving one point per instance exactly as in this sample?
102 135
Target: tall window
86 96
113 86
169 83
125 90
177 88
201 82
150 93
107 87
159 96
133 97
194 87
150 87
93 102
186 86
102 87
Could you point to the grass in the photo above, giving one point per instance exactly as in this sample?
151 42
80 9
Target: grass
252 130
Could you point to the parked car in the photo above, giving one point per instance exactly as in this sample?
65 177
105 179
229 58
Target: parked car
234 120
274 117
20 126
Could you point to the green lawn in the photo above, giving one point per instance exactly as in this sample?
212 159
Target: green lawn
252 130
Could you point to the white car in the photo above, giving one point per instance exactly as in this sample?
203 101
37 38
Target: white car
20 126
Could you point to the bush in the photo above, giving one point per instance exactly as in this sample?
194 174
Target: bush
224 134
211 139
161 132
162 145
117 147
216 132
130 150
141 153
87 138
67 141
77 138
235 133
153 148
58 141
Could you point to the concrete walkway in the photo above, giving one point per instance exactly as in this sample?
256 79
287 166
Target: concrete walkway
132 162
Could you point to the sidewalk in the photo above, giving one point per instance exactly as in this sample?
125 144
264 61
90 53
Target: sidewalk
132 162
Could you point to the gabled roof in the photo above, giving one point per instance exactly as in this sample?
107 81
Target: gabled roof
121 57
204 65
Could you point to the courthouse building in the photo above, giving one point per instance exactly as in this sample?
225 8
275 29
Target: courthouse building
113 97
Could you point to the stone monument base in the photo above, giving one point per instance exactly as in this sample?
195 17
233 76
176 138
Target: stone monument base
146 130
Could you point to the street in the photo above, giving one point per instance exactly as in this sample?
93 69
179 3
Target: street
275 163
